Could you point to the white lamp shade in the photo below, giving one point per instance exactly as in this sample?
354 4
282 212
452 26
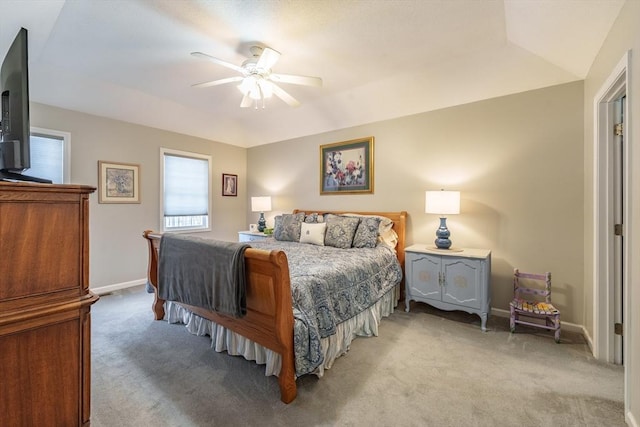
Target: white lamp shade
261 204
442 202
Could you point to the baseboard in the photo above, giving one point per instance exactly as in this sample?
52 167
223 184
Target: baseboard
567 326
102 290
588 338
631 420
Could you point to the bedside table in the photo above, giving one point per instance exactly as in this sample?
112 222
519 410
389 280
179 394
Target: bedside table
449 279
250 236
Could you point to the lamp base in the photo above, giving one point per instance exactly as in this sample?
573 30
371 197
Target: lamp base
262 223
442 243
442 235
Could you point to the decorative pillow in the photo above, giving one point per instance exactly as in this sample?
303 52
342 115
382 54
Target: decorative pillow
367 233
340 230
287 227
313 233
386 235
313 218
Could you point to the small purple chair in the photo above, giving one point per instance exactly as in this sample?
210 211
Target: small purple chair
532 308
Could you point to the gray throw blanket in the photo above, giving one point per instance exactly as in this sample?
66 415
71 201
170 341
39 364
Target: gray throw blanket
202 272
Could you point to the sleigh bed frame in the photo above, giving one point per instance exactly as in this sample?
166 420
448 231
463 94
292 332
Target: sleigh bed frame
269 318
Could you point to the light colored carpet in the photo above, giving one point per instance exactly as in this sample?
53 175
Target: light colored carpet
427 368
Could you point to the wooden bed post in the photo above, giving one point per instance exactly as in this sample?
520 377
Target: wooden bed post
284 328
152 273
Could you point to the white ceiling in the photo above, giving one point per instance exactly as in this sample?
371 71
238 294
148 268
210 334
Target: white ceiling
379 59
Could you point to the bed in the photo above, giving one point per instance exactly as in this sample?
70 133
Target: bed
266 333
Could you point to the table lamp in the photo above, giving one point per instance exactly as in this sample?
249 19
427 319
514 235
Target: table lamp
261 204
442 203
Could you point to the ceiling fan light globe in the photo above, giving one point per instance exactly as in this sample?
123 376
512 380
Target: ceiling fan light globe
255 94
247 85
266 87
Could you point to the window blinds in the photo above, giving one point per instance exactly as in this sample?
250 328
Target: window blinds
47 154
186 186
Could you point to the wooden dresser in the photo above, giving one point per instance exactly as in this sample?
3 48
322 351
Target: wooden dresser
45 328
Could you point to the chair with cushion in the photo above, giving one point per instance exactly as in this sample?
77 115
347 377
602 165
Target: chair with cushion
532 302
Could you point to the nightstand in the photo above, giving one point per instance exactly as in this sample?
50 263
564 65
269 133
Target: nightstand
251 236
449 279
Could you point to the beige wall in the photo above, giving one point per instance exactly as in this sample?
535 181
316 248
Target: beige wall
624 36
118 252
517 160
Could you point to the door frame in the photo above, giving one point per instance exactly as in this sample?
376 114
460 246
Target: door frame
616 85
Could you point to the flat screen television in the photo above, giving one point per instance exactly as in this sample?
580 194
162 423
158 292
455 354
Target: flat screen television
15 156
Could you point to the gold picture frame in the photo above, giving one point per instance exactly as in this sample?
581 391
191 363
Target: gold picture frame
118 182
347 167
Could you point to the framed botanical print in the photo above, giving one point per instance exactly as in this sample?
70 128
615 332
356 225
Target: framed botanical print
347 167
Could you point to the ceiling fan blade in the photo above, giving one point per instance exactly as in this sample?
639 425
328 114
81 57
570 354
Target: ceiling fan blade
218 82
218 61
267 59
297 80
246 101
280 93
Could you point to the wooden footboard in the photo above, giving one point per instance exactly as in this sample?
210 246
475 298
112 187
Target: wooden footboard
269 318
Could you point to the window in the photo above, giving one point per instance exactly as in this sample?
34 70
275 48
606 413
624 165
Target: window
185 190
49 155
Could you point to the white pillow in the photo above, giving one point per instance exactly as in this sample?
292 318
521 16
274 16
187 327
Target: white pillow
389 238
313 233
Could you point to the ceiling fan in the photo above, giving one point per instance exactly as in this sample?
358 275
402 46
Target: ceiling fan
257 82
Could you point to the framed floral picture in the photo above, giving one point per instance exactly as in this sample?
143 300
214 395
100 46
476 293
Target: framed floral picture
347 167
118 182
229 184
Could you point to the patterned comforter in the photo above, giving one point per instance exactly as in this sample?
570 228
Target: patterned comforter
331 285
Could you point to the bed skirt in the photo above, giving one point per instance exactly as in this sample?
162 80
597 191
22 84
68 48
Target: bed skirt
364 324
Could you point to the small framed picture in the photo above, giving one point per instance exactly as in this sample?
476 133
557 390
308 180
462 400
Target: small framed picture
253 228
118 182
229 184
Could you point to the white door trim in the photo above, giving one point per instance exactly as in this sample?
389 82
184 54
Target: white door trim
615 86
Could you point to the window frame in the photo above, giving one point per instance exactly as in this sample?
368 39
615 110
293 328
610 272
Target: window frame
190 155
